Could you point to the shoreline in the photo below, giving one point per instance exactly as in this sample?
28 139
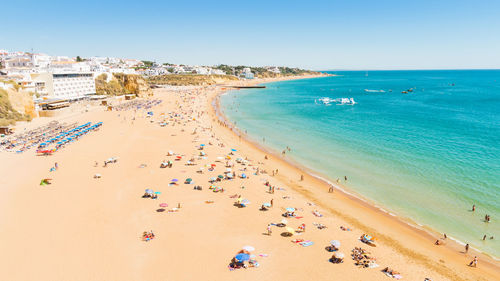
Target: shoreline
424 232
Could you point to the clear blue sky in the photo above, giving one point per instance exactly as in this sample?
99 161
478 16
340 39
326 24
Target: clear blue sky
348 34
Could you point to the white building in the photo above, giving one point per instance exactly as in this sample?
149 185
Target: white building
18 62
64 85
40 60
217 71
201 70
247 73
274 70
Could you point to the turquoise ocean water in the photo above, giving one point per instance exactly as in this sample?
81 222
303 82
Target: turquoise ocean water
428 155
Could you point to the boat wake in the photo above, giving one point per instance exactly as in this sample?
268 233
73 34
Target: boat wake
340 101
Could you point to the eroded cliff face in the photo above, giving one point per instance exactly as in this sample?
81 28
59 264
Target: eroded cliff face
22 102
15 105
122 84
135 84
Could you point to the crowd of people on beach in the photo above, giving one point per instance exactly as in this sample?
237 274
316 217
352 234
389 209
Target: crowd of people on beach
217 169
137 104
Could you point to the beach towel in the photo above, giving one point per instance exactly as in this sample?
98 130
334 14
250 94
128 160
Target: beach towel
306 243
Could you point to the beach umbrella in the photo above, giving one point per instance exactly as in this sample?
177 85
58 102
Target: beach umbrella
149 191
242 257
339 255
232 149
335 243
243 175
228 170
220 176
202 144
213 165
189 180
245 201
248 248
290 230
158 192
163 205
213 179
174 180
220 157
267 205
290 209
230 176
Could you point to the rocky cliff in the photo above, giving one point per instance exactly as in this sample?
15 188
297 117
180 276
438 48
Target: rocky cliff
15 105
122 84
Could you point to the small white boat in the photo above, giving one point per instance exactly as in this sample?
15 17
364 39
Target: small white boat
374 91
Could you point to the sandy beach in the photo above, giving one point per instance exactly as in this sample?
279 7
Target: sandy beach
86 228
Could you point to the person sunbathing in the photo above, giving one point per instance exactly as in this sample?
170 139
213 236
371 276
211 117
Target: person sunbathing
316 213
390 271
331 248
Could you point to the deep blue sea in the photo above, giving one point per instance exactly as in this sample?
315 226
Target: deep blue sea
428 155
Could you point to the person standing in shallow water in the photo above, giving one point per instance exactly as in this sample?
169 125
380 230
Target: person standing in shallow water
467 248
473 207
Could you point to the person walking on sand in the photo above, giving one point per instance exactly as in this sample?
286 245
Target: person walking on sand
467 248
269 230
301 177
272 200
56 166
473 207
444 235
330 190
473 263
272 190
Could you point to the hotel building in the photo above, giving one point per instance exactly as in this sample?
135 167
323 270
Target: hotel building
64 85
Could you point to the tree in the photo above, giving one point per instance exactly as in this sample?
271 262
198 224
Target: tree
78 59
147 63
